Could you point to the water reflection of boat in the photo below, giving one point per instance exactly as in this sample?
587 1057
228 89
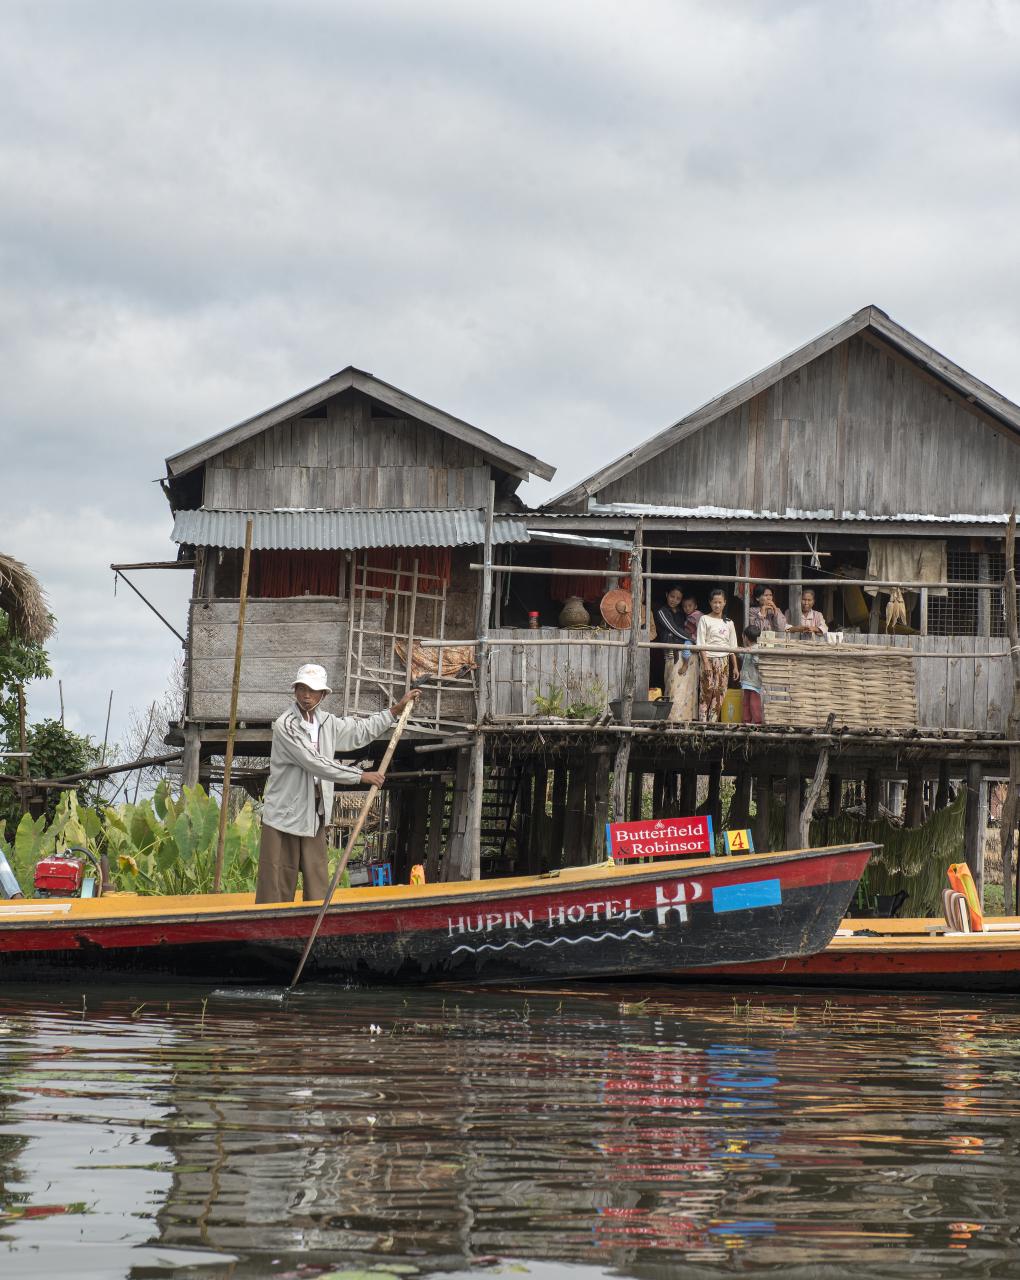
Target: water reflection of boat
909 954
580 922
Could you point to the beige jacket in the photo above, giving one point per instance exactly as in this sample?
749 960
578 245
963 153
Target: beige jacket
294 765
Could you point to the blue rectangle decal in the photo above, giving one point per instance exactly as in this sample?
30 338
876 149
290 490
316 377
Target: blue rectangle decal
739 897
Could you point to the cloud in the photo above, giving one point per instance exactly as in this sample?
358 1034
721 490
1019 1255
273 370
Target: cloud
568 223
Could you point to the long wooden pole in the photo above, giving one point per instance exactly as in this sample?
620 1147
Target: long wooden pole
373 791
622 761
880 583
1008 821
23 751
228 756
471 858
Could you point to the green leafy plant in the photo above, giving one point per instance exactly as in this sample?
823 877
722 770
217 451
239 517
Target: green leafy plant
165 845
552 703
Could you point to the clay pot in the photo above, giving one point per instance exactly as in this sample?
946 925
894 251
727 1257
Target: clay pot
574 614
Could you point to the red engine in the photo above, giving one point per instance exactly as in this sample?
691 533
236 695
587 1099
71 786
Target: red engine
61 875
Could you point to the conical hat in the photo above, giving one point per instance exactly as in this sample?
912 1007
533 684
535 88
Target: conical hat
616 608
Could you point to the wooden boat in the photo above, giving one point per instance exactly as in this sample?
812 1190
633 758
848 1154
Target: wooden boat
883 955
593 921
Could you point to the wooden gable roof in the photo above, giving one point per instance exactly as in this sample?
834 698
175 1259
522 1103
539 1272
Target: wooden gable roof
505 456
981 399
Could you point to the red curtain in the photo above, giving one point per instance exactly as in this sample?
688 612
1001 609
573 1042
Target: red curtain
275 575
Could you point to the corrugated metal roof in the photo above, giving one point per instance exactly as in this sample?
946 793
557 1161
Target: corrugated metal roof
299 530
791 513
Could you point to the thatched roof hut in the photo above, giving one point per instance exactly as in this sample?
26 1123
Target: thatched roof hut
22 599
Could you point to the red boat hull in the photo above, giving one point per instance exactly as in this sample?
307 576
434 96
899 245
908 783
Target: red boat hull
586 922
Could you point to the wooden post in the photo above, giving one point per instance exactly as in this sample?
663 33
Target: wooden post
914 814
942 795
1008 821
437 806
815 789
192 758
454 856
476 783
714 801
792 803
973 831
688 792
557 824
739 815
573 852
796 616
922 624
658 792
622 761
538 844
23 771
599 805
637 788
228 758
872 786
762 799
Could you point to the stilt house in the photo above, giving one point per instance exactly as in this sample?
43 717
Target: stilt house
367 506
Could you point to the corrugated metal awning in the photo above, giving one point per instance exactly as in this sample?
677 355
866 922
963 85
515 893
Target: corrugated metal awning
292 530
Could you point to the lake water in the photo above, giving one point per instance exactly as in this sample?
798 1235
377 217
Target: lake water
660 1132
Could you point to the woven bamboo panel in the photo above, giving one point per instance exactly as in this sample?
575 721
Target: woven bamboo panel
865 689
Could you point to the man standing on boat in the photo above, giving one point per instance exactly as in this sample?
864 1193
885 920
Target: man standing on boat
299 794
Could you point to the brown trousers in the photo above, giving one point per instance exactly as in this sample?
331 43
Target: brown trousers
282 856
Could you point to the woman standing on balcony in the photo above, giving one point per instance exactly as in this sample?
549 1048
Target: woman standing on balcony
717 632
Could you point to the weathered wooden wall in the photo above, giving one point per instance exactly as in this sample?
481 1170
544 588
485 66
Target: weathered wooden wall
858 429
347 459
519 672
279 636
961 691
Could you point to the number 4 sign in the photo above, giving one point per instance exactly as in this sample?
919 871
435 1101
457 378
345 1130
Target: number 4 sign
739 841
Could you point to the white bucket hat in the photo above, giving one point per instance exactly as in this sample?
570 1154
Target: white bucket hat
314 677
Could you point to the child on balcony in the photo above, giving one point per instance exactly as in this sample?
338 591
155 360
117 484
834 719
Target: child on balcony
750 678
716 632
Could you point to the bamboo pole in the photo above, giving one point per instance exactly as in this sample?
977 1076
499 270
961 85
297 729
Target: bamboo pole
228 757
1008 821
472 855
832 581
622 761
797 649
23 752
367 803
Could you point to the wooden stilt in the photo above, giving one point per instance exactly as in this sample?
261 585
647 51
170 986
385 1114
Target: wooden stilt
762 803
637 781
418 849
538 843
573 846
458 818
714 800
192 755
943 794
1011 809
658 793
688 792
914 813
973 829
792 805
599 805
558 818
872 788
437 807
739 815
591 780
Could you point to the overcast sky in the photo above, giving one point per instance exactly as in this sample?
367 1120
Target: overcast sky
568 222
